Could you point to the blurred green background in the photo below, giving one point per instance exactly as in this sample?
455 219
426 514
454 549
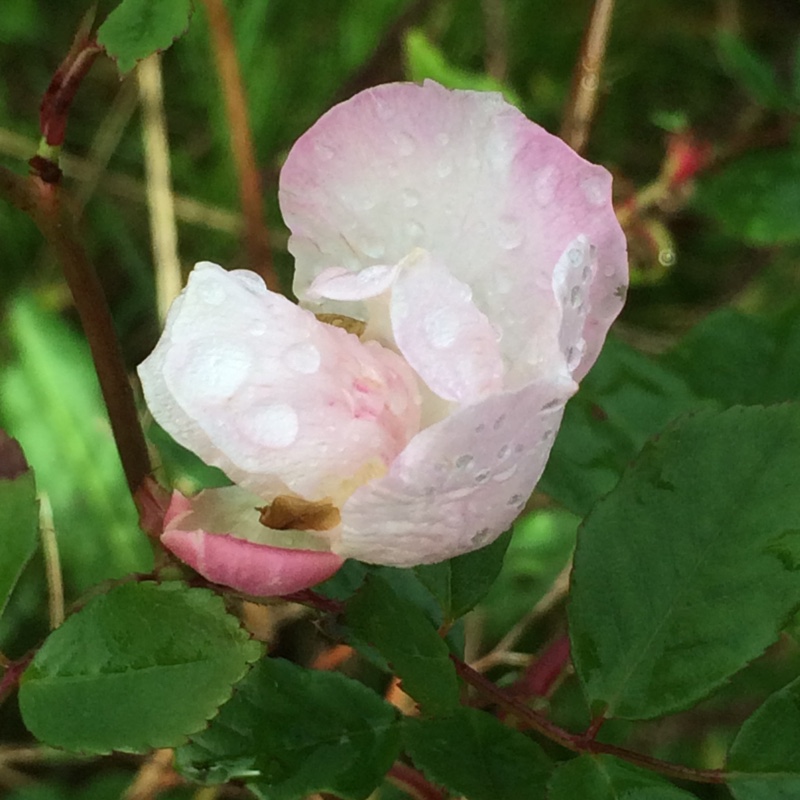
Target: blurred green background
722 251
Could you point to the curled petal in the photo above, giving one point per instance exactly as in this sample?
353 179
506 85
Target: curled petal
255 569
277 399
460 483
468 178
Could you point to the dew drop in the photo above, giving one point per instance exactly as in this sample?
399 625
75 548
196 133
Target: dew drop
515 499
480 428
462 462
258 328
481 536
504 452
545 184
372 248
594 189
410 198
324 151
509 233
416 230
273 426
666 257
505 475
575 296
442 327
213 294
405 144
499 422
442 138
219 371
444 168
303 358
482 476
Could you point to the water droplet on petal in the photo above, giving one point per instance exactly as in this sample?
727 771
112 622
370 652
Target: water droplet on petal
324 151
415 230
273 426
595 189
506 474
481 536
504 452
213 294
444 168
515 499
545 184
575 296
482 476
509 233
462 462
258 328
303 358
372 248
499 422
410 198
405 144
442 327
442 138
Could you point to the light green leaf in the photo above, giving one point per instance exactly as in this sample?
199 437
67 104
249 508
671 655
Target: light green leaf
404 635
424 60
50 401
474 754
137 28
668 591
765 756
291 732
140 667
607 778
19 516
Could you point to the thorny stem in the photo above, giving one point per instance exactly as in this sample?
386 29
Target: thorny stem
582 102
413 782
579 743
256 233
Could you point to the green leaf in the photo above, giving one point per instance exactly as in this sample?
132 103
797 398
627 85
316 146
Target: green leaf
747 67
607 778
668 589
459 583
404 635
626 398
426 61
142 666
137 28
19 516
50 401
756 197
764 755
291 732
474 754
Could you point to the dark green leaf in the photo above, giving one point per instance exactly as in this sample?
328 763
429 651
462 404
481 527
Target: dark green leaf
460 582
139 28
292 732
607 778
667 597
747 67
756 197
474 754
404 635
142 666
765 756
626 398
19 516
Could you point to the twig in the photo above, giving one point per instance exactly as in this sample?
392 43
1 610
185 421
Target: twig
505 647
52 562
154 776
413 782
579 743
495 25
256 233
163 228
582 102
187 209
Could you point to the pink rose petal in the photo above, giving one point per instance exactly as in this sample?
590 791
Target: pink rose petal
280 401
459 484
468 178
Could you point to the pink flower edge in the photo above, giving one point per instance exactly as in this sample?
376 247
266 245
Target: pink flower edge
254 569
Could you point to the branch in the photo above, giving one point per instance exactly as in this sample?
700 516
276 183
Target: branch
256 234
582 102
